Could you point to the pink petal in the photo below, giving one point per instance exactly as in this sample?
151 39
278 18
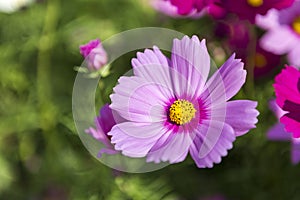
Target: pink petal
134 139
152 66
174 150
212 141
241 115
191 59
138 100
225 82
268 21
279 40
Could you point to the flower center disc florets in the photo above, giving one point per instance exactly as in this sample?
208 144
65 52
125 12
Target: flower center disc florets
255 3
260 60
181 112
296 25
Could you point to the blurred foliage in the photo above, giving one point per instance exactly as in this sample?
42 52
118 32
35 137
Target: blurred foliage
41 156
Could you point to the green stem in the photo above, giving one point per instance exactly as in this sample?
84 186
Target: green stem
250 63
46 107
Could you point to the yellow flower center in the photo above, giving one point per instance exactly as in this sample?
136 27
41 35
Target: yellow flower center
296 25
182 112
260 60
255 3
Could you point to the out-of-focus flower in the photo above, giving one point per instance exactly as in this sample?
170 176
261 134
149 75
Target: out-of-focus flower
178 8
172 108
265 62
9 6
248 9
189 8
236 37
287 90
278 133
104 122
283 36
95 55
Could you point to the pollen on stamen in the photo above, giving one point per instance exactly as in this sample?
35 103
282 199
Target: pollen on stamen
296 25
255 3
181 112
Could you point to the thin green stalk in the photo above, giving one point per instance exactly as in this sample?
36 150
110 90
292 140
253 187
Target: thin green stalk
47 110
250 63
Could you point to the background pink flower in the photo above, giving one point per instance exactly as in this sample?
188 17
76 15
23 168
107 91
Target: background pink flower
283 32
95 55
278 133
287 90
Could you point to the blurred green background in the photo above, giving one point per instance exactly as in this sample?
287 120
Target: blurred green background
41 155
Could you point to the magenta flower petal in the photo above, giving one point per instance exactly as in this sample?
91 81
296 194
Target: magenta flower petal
286 86
104 123
287 90
241 116
232 75
291 126
183 7
207 148
179 9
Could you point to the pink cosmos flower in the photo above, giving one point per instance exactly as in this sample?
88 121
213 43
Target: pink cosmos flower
248 9
283 32
104 122
171 108
287 90
94 54
189 8
278 133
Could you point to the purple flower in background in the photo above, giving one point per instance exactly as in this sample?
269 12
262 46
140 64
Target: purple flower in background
248 9
94 54
104 122
236 35
278 133
237 38
287 90
173 109
178 8
189 8
283 36
265 62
